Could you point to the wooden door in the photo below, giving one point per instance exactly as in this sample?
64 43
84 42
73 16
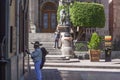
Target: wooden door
49 20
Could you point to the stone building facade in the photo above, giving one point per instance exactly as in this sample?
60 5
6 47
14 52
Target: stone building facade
13 38
114 22
43 15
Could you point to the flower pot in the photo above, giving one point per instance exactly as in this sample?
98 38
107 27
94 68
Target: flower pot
94 55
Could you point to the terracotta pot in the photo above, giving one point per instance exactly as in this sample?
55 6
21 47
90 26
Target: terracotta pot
94 55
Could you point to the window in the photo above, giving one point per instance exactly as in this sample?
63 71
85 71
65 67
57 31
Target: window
53 20
45 19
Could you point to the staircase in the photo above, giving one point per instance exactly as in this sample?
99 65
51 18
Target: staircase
47 39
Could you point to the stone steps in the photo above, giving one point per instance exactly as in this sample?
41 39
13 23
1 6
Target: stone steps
42 37
49 48
47 39
59 59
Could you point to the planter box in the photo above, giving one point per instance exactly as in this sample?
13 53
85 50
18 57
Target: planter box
94 55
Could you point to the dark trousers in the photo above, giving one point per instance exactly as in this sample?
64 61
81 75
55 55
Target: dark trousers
56 44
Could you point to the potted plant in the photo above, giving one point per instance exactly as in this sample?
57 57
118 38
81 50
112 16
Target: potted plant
93 46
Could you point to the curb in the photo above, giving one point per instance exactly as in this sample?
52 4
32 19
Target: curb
83 66
115 64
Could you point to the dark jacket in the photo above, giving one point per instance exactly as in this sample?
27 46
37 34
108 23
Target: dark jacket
37 55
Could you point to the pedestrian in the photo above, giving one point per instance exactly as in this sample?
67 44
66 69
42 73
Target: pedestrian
57 37
36 55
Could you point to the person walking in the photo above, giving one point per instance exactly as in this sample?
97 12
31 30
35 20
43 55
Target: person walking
57 37
36 55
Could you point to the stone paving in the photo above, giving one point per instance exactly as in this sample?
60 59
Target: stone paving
78 73
55 74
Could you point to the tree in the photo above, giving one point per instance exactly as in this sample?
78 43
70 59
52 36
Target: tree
87 15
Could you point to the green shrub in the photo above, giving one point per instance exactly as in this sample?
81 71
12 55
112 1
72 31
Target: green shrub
85 14
80 47
94 41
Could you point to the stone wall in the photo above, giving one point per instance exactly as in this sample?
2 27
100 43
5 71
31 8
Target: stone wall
115 22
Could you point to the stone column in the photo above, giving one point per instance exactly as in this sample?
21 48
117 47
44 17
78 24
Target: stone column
32 12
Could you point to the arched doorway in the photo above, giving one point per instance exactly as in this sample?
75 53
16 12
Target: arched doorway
49 20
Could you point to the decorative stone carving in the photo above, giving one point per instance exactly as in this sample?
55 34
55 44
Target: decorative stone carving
32 28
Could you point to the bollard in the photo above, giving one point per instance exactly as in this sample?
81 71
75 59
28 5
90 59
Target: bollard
107 55
108 48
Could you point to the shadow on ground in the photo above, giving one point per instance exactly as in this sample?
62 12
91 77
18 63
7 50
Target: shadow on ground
47 74
54 74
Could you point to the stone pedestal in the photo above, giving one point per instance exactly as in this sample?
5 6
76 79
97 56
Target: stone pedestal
66 41
66 47
63 28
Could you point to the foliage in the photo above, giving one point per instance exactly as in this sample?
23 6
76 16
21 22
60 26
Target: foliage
86 14
81 46
94 41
